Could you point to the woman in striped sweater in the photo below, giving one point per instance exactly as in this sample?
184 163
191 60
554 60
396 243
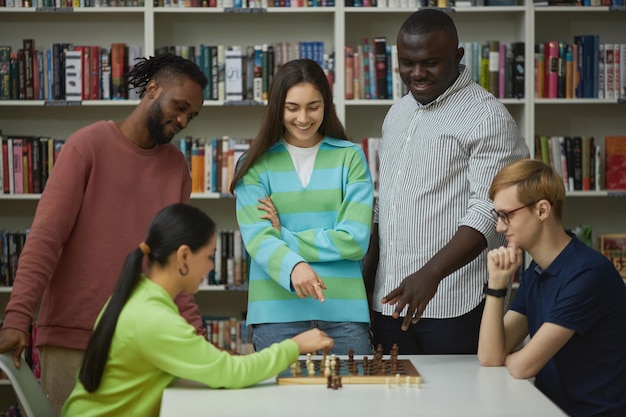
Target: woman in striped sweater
304 207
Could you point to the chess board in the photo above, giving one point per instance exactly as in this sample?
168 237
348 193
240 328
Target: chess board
352 373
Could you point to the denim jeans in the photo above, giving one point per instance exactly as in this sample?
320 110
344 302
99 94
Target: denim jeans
346 335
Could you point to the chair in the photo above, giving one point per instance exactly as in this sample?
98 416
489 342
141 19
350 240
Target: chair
30 395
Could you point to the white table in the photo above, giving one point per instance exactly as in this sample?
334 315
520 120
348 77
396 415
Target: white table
453 385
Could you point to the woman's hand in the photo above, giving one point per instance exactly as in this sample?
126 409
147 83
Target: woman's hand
267 206
306 282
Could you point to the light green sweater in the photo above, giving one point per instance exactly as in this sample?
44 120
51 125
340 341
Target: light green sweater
152 346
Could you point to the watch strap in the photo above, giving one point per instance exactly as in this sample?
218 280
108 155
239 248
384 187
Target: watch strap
494 293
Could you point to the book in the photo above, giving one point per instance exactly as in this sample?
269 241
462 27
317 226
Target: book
119 90
380 55
367 91
85 70
95 74
29 73
551 60
494 68
134 53
615 162
258 74
74 75
5 72
234 72
349 72
613 246
105 74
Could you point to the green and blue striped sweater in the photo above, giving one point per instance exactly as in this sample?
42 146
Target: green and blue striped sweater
327 224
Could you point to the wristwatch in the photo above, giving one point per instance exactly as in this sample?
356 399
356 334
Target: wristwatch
494 293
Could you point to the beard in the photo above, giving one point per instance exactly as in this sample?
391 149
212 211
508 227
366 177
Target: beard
155 127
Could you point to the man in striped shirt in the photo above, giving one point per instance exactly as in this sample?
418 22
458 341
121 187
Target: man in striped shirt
442 145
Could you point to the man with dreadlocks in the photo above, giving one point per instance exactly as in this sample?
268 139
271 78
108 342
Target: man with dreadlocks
109 181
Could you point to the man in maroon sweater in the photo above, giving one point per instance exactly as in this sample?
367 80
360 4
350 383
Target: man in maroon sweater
107 184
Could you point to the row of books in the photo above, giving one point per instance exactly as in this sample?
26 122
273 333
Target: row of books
242 5
26 163
497 66
11 244
584 68
231 260
73 4
413 4
67 72
580 3
613 246
212 162
228 333
585 163
243 73
371 70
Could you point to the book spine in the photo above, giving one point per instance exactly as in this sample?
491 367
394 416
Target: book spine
94 75
18 164
551 76
234 70
258 73
29 74
494 68
134 53
349 73
380 50
118 71
5 72
73 75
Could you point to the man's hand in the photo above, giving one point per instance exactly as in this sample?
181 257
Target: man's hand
502 264
414 292
16 340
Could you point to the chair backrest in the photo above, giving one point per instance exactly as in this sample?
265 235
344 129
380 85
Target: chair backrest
29 392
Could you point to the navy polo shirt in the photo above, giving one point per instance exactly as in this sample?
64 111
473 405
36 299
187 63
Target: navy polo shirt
580 290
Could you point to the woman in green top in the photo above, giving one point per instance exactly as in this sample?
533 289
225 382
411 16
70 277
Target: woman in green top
141 343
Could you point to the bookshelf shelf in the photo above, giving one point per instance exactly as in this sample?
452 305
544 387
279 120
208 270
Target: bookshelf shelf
62 103
575 101
203 288
571 9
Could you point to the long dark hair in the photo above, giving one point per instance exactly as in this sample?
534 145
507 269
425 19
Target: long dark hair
164 66
289 74
173 226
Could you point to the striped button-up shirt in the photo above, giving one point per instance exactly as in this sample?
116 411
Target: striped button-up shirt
437 162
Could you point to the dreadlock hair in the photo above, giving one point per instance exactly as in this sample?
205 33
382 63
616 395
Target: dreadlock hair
163 66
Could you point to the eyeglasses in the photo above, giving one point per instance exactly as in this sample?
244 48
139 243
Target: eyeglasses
505 216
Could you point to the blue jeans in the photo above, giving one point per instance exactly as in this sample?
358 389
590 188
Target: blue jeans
347 335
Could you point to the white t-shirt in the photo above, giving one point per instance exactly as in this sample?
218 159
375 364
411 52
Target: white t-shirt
304 160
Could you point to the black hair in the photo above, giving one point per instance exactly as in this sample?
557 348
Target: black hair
163 66
272 127
430 20
173 226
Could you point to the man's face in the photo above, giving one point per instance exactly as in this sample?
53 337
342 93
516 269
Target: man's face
428 63
176 104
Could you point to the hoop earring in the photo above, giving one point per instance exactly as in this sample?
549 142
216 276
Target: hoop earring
185 272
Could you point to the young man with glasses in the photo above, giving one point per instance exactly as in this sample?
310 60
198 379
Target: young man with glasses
571 299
